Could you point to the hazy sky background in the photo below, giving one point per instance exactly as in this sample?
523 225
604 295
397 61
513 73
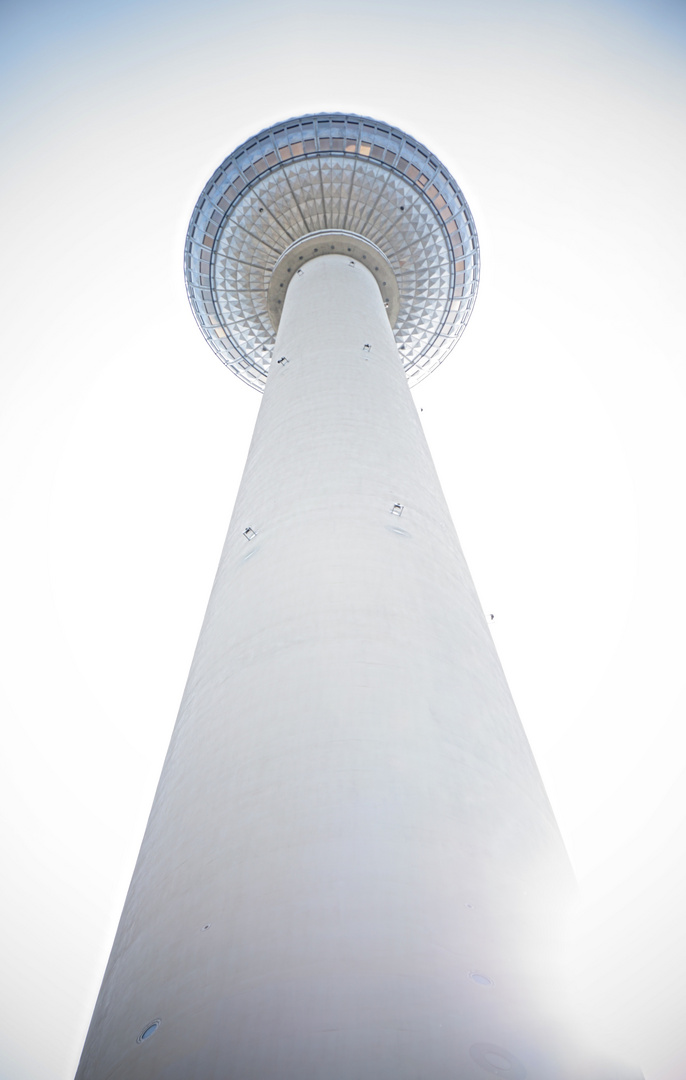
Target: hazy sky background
557 427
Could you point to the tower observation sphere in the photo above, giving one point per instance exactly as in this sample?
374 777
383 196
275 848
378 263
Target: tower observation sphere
341 181
351 869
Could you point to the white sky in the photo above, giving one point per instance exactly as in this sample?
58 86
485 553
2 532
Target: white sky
557 427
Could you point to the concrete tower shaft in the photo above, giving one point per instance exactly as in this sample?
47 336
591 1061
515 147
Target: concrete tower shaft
349 803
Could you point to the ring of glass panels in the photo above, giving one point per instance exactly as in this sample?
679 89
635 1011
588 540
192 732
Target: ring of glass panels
331 171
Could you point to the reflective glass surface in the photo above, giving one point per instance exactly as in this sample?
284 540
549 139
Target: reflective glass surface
331 171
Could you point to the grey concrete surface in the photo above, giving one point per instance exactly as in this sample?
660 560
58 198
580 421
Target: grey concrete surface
351 869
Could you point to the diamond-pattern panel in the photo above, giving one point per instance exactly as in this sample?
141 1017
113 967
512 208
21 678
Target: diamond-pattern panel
331 172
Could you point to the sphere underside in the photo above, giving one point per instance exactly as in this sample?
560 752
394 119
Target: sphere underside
331 173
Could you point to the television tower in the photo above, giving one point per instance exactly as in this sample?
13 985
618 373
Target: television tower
351 869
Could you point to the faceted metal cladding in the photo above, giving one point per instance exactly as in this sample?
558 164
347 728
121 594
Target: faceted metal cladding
331 172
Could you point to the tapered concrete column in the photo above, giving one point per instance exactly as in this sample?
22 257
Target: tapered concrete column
351 868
